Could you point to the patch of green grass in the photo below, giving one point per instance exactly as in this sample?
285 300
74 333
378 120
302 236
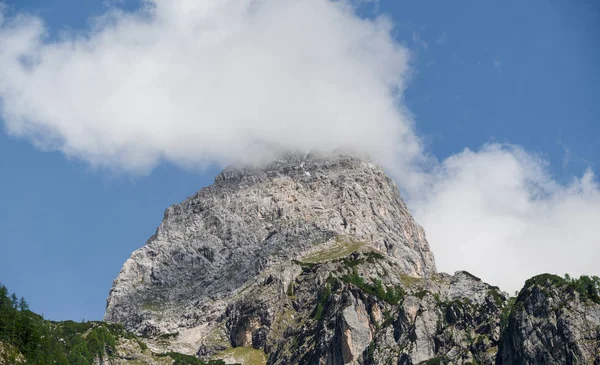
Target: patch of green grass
408 280
341 248
244 356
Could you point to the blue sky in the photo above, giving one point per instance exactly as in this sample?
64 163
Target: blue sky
481 72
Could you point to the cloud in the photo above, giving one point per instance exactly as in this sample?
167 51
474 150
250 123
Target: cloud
198 82
442 39
497 65
416 38
498 213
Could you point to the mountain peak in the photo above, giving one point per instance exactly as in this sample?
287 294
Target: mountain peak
295 164
213 244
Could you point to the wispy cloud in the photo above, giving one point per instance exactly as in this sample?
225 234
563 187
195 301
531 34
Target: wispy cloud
567 157
442 39
570 158
416 38
497 65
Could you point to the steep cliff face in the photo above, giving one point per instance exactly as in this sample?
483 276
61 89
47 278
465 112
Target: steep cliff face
340 312
252 219
554 321
316 260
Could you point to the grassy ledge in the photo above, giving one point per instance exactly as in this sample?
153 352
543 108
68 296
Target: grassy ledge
342 247
243 355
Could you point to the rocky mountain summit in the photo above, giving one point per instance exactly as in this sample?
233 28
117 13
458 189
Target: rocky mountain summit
316 260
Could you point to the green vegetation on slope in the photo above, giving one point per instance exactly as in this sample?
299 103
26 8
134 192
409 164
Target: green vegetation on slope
392 295
323 298
33 337
588 287
341 248
180 359
246 355
42 342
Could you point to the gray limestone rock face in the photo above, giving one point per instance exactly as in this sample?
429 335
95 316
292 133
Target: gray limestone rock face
344 314
445 320
215 242
552 323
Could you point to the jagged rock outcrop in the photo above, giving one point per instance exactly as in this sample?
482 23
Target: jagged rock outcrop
316 260
553 322
343 314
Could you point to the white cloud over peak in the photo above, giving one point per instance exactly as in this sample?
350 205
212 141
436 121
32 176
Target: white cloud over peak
191 82
196 82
